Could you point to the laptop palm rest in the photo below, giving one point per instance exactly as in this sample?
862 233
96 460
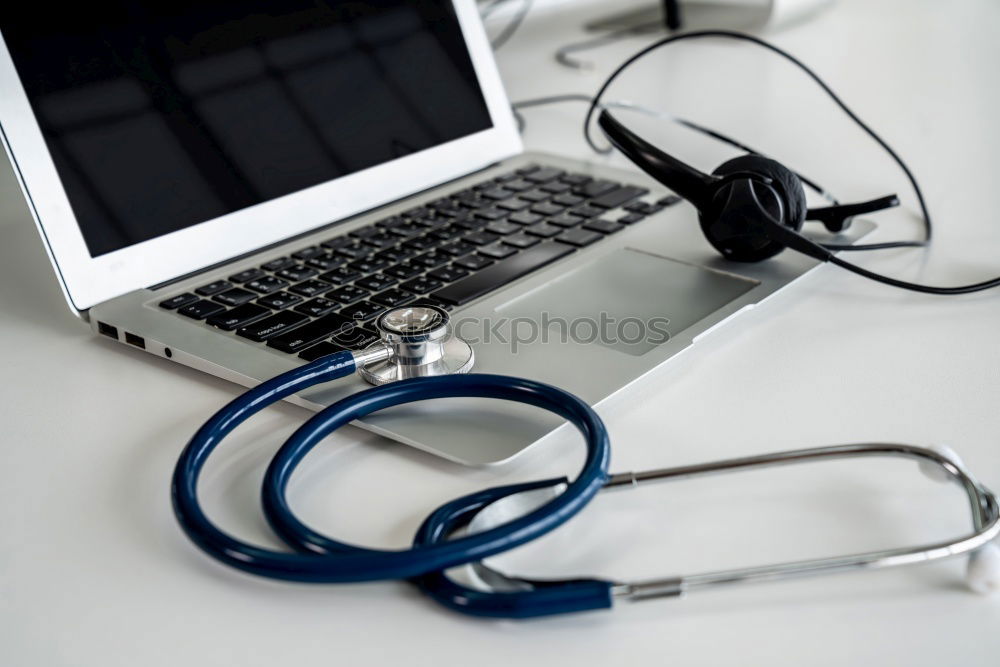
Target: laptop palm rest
554 334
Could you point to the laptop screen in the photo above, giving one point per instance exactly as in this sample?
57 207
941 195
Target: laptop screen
160 115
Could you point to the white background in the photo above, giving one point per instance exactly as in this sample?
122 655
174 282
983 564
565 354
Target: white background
94 571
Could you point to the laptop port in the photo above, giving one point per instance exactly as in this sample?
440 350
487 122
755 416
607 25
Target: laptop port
132 339
107 330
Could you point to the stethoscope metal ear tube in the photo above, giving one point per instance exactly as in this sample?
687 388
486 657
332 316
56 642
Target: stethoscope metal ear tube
515 597
417 329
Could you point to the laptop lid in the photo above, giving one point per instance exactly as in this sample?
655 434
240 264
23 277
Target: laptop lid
153 138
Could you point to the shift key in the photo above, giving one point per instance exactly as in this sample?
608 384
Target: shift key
302 337
272 326
501 273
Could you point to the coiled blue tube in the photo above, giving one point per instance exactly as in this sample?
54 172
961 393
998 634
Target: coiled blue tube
323 559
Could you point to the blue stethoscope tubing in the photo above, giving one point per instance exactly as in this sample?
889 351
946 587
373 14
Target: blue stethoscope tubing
321 559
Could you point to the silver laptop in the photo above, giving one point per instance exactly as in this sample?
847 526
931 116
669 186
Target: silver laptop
224 186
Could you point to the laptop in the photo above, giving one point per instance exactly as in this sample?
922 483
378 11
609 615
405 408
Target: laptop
243 187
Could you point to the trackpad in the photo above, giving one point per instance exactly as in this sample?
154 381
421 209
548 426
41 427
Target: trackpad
628 300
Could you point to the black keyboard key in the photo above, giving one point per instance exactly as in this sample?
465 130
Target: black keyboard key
297 273
496 194
407 230
267 284
403 271
364 310
543 229
238 317
355 338
422 285
497 251
596 188
310 288
272 326
534 195
522 240
392 298
669 200
556 187
235 297
544 174
363 232
323 349
435 222
302 337
425 242
418 213
213 288
279 300
317 307
502 227
368 265
576 179
480 238
348 294
340 276
308 253
249 274
326 261
381 240
199 310
274 265
518 185
175 302
587 211
568 200
458 248
431 259
470 225
514 204
547 208
448 274
603 226
501 273
376 282
393 221
579 237
528 169
395 254
525 218
337 242
491 214
503 178
616 198
354 251
643 207
473 262
631 218
565 220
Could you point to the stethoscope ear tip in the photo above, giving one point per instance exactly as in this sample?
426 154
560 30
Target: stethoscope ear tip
982 573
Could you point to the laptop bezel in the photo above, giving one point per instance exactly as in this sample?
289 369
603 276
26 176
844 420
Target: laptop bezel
87 281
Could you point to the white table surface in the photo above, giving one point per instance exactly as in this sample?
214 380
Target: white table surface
94 571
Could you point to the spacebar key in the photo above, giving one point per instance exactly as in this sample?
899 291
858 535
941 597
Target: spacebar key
502 272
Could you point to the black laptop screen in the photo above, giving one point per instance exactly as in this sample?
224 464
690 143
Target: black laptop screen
161 115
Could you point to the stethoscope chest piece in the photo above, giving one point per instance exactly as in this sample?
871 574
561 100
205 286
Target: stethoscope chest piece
421 344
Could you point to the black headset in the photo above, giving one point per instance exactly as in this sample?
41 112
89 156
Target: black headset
752 207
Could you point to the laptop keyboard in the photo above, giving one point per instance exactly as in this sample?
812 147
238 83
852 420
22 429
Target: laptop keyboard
322 298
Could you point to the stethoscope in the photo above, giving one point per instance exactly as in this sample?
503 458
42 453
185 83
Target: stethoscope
417 358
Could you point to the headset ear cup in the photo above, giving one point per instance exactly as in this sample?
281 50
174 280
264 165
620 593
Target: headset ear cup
784 181
734 228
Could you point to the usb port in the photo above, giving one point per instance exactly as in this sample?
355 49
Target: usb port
107 330
132 339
